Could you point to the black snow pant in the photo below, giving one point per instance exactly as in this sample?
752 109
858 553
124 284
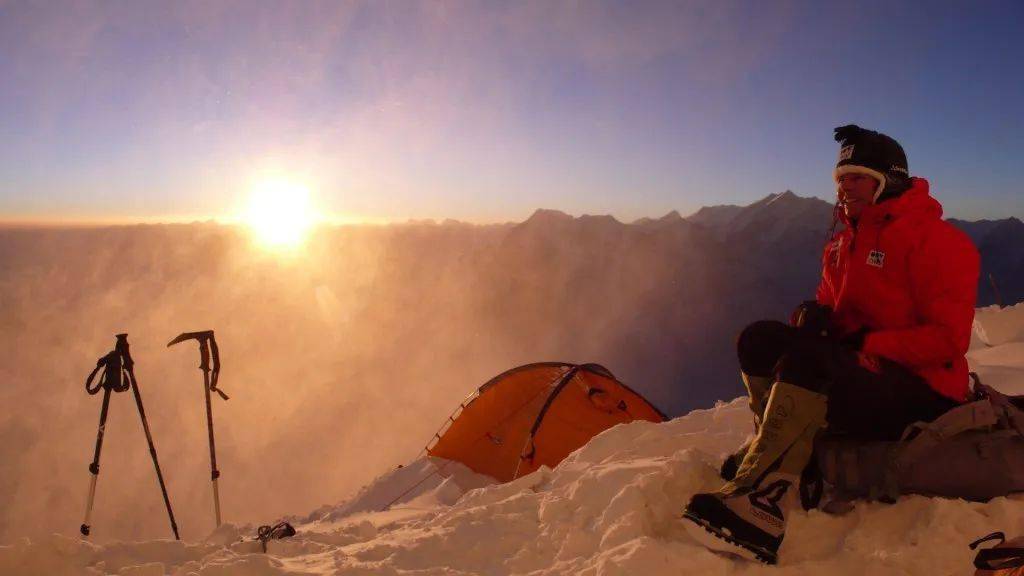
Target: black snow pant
869 398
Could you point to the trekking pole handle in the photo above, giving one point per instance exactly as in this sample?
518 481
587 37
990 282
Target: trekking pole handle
88 381
114 367
121 347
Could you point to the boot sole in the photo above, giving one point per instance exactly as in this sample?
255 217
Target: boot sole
717 540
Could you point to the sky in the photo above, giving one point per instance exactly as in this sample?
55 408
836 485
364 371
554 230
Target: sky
485 111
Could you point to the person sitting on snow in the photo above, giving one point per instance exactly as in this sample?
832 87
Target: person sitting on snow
881 347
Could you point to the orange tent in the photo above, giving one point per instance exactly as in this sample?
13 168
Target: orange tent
536 415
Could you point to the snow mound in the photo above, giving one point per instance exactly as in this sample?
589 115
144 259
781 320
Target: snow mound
427 481
994 325
612 507
997 351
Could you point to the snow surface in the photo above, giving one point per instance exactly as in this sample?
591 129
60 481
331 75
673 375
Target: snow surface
612 507
994 325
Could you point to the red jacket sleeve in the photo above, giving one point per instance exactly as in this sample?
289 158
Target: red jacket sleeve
943 272
823 295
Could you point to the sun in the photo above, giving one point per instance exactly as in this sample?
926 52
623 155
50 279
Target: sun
279 214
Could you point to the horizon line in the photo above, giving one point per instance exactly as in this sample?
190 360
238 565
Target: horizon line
81 221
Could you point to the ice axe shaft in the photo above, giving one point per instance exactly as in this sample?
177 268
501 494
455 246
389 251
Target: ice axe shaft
207 349
214 472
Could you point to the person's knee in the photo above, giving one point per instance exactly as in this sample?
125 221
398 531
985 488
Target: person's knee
760 345
806 364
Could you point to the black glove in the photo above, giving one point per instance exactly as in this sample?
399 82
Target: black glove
854 340
813 318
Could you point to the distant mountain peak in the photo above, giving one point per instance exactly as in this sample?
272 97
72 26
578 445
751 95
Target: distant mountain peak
785 198
599 218
787 195
765 220
714 216
785 201
669 219
547 216
1009 225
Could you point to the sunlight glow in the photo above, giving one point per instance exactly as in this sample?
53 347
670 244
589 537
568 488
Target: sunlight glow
280 214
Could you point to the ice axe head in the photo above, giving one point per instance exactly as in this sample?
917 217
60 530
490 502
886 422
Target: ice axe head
206 343
205 335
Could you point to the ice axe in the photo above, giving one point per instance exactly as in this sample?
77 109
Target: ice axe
118 376
208 345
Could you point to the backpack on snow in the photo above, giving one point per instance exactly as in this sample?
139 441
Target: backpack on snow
974 451
1006 559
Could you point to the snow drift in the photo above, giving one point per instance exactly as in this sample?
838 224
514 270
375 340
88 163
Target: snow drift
995 325
612 507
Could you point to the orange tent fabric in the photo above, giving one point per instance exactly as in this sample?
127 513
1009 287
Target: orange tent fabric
537 415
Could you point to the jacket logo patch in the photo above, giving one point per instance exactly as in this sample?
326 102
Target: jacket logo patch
846 152
876 258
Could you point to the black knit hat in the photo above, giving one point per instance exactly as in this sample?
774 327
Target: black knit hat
877 155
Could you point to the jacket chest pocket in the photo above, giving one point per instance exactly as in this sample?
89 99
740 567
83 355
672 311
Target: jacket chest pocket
882 272
887 264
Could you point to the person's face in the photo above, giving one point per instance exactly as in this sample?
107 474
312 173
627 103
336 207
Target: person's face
855 192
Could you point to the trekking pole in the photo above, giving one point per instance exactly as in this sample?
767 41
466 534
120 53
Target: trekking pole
122 345
110 382
995 290
118 376
208 345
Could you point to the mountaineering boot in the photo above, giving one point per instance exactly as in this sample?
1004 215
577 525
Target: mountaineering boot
811 481
747 516
757 394
750 524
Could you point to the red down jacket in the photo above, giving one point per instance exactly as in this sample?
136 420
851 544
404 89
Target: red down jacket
910 279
